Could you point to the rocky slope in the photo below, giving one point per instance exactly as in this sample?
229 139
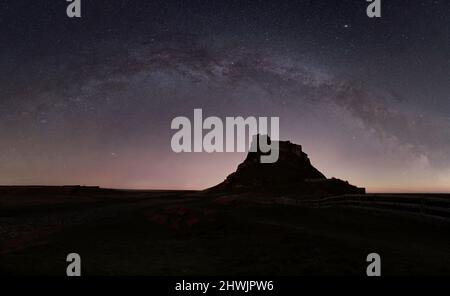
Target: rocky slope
292 173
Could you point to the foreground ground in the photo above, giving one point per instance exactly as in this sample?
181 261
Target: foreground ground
189 233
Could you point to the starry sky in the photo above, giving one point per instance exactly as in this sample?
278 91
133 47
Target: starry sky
89 101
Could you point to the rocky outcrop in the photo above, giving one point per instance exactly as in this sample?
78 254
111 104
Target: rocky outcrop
292 173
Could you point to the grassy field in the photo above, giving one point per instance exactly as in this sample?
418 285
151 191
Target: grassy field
189 233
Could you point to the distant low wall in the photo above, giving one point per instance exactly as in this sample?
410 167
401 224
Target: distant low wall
418 204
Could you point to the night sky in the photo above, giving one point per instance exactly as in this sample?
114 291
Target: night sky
89 101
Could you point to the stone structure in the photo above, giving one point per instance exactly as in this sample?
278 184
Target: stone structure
292 173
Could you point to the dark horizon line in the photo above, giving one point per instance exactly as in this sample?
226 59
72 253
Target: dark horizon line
196 190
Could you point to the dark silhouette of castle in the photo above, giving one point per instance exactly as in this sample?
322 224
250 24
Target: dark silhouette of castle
292 173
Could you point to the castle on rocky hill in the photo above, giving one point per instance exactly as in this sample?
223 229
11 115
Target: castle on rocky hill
292 173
